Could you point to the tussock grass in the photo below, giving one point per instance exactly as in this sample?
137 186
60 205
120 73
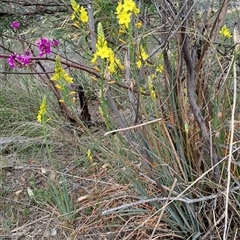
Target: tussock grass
154 178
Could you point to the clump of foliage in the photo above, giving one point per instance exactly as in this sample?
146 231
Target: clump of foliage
171 66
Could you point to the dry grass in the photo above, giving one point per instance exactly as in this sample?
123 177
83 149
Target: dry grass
92 188
153 180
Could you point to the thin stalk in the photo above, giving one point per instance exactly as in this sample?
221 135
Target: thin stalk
230 157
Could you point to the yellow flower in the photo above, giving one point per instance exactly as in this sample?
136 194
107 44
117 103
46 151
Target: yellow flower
118 63
129 5
119 7
76 24
61 100
122 31
73 16
75 6
111 67
94 59
153 94
124 18
153 75
89 155
225 32
103 52
136 10
78 11
139 63
55 77
83 14
138 24
114 62
42 109
151 88
60 73
143 53
142 56
58 86
125 10
159 68
67 78
142 91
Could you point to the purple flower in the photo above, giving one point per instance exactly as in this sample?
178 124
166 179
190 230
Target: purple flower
28 53
55 42
23 59
19 60
44 45
15 24
11 60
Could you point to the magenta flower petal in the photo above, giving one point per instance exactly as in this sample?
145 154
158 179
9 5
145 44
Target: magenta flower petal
23 59
11 60
15 24
19 60
44 46
55 42
28 53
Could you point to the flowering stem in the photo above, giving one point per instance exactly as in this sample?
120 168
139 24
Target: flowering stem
102 97
49 152
130 44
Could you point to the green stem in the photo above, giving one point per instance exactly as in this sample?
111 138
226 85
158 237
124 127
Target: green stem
102 98
49 153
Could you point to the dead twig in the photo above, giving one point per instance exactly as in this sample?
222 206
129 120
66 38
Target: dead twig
116 210
192 100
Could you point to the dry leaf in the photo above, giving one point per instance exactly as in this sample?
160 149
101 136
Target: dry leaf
54 232
107 75
43 170
104 166
18 192
16 196
126 62
80 199
30 192
52 175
